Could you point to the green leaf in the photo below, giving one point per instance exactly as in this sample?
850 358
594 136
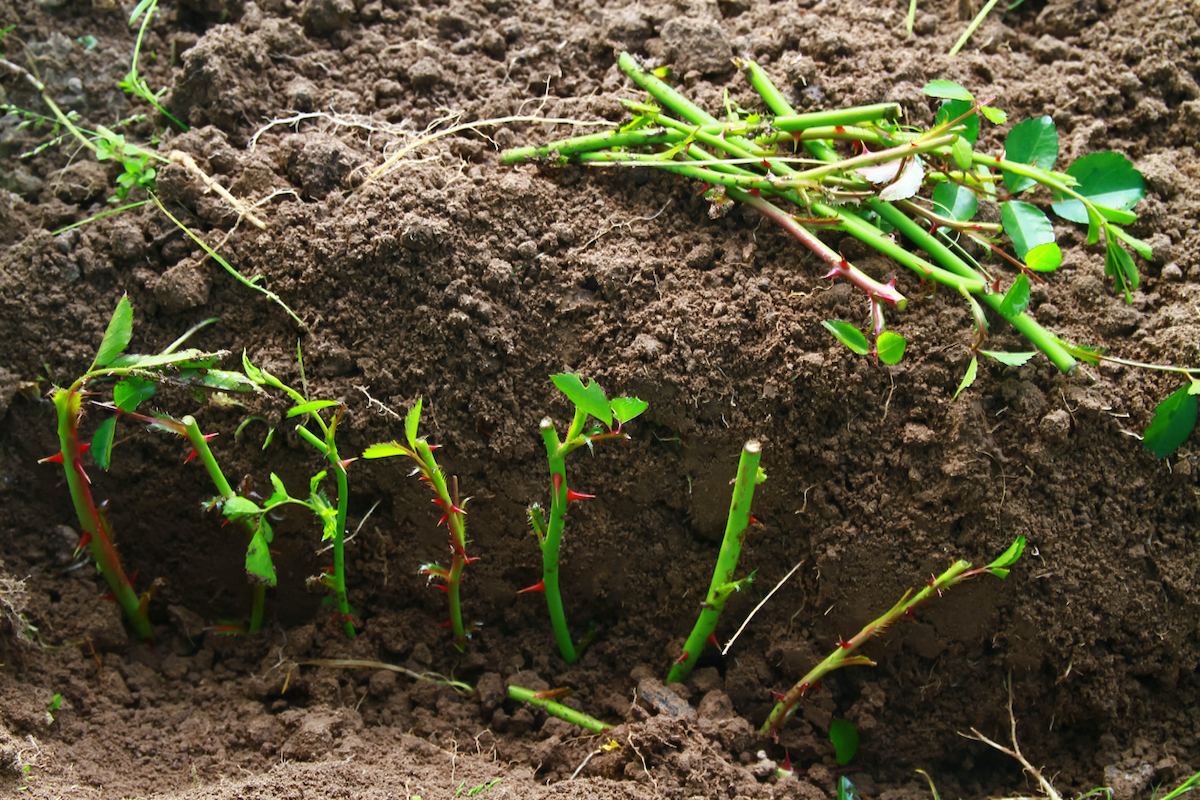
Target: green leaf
995 116
846 790
314 483
626 408
957 202
102 442
1011 359
844 736
132 391
117 336
848 335
1017 298
968 378
386 449
191 357
1106 179
1119 264
953 109
890 347
411 420
258 558
1174 420
589 398
1144 250
1033 142
1044 257
237 507
219 380
140 9
1009 556
947 89
310 406
280 495
962 153
1026 225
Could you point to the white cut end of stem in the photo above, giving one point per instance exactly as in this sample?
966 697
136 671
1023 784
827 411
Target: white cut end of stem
753 447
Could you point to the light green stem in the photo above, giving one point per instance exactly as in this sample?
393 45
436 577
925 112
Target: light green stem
558 710
328 449
723 583
556 453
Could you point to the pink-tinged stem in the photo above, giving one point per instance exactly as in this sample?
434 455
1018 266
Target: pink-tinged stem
67 402
838 266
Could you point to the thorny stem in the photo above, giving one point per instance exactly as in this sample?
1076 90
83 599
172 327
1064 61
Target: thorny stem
456 520
200 443
327 448
67 402
723 584
844 656
556 452
558 710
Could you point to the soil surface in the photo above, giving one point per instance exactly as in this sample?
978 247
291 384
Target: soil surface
467 283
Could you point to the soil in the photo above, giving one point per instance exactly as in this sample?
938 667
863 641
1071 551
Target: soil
467 283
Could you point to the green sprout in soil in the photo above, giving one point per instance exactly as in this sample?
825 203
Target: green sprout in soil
749 475
134 379
588 400
331 516
135 84
924 185
540 700
447 498
844 655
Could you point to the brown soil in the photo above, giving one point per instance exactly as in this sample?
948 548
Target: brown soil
467 283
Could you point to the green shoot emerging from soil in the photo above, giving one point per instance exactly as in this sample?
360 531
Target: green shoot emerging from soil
588 400
749 475
134 379
332 517
134 83
446 497
844 656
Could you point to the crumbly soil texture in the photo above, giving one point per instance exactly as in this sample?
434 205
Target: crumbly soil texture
467 283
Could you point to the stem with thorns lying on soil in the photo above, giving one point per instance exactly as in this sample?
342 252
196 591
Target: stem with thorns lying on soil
723 584
844 656
558 710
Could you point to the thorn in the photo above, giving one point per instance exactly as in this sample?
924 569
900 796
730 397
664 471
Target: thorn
779 696
191 455
908 613
683 657
816 687
445 624
540 586
787 761
470 560
573 495
712 639
345 462
557 480
57 458
84 541
842 643
274 552
753 519
109 596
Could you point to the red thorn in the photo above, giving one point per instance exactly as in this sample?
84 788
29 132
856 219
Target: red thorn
274 552
573 495
557 480
908 613
816 687
345 462
433 447
470 560
191 455
444 587
109 596
842 643
327 569
712 639
57 458
755 191
84 541
133 577
540 586
445 624
787 761
753 519
779 696
683 657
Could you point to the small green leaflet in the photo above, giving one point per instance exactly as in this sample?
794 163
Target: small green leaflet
258 557
890 347
969 378
1044 258
846 790
953 109
844 736
1174 420
237 507
132 391
140 9
386 449
1033 142
102 442
1011 359
589 398
1000 566
948 90
626 408
1119 264
1017 298
995 116
1106 179
1026 225
1144 250
411 420
117 336
280 495
848 335
957 202
311 405
962 153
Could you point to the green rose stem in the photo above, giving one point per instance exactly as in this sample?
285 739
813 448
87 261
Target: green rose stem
96 533
558 710
201 449
420 451
844 655
723 585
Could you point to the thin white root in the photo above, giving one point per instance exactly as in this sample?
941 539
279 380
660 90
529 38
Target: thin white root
762 603
1015 751
179 157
